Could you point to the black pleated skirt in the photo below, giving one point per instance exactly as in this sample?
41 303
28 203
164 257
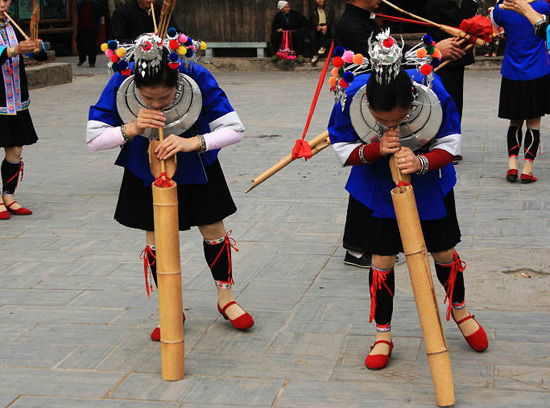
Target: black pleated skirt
380 236
524 99
199 204
17 130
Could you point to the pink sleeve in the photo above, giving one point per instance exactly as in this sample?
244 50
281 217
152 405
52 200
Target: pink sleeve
222 137
110 137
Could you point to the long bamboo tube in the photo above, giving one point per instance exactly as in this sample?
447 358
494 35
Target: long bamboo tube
285 161
416 253
456 32
25 36
165 207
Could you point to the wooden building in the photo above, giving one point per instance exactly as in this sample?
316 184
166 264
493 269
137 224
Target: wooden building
209 20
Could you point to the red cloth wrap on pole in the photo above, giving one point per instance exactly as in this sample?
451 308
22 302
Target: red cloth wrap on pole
478 26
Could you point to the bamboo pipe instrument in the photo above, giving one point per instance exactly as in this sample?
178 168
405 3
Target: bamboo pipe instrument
416 254
154 18
16 26
317 144
467 49
165 207
456 32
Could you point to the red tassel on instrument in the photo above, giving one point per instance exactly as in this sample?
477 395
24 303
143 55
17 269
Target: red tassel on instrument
478 26
301 149
163 181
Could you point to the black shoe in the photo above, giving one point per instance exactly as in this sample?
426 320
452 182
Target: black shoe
363 262
79 63
92 65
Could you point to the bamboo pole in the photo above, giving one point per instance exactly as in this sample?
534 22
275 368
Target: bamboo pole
154 18
165 207
285 161
416 254
467 49
456 32
13 23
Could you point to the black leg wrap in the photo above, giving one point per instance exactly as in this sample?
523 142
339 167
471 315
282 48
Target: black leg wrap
382 288
443 275
531 145
10 176
514 140
218 258
152 257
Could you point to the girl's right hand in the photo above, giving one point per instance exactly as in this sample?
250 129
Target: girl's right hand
26 46
149 119
389 144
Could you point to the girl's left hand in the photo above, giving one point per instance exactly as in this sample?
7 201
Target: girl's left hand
174 144
407 161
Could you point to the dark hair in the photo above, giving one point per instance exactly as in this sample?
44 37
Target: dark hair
386 97
165 76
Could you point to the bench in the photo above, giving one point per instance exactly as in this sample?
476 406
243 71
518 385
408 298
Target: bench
260 47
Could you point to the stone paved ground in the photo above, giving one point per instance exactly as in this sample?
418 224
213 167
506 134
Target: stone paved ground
75 320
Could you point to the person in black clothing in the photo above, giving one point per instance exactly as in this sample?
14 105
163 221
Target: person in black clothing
449 13
357 25
16 127
132 19
353 32
321 19
288 20
89 15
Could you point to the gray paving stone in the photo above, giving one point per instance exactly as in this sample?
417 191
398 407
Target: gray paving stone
25 314
5 400
266 365
522 378
72 334
200 389
40 402
37 296
35 356
56 382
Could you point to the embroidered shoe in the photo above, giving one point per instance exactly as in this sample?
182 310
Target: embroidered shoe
478 339
243 322
512 175
155 335
378 361
4 213
528 178
18 211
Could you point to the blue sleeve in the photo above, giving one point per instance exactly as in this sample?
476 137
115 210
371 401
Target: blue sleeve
340 128
105 110
451 119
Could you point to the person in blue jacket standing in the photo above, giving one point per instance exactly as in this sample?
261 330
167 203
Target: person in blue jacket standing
389 100
524 88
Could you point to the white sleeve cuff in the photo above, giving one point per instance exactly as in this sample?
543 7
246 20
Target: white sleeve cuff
343 150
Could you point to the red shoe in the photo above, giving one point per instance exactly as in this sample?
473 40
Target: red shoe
512 175
242 322
528 178
477 340
378 361
19 211
155 335
4 214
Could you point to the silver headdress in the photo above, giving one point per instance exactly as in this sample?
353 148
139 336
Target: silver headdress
385 56
147 53
426 115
